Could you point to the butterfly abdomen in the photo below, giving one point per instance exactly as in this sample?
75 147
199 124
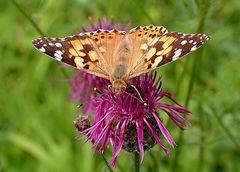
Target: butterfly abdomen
120 71
120 65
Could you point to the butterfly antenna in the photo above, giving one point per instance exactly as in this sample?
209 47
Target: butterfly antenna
136 98
137 92
139 95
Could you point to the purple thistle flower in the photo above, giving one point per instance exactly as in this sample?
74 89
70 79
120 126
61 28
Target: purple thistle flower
130 121
83 84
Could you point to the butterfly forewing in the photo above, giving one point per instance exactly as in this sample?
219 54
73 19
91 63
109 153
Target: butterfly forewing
55 48
142 38
78 51
90 51
165 49
174 45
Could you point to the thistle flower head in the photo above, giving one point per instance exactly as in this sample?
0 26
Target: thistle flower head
131 121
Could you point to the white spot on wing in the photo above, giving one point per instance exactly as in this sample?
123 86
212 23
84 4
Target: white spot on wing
42 49
58 55
177 54
58 44
183 42
193 48
59 52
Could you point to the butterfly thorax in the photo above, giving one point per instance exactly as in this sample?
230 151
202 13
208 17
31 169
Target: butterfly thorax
120 67
119 86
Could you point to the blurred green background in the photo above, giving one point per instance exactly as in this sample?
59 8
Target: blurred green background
36 118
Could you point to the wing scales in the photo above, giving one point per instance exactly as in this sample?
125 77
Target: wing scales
168 47
102 52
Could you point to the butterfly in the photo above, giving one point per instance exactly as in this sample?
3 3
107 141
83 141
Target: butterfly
119 56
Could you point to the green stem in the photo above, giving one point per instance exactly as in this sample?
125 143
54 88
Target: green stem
154 161
204 5
188 97
27 17
137 162
106 163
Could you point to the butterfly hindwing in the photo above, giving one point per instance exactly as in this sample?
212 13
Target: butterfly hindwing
108 42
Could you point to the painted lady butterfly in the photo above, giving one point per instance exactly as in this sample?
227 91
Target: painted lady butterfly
120 56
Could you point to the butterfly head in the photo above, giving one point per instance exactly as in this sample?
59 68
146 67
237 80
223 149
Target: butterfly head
119 86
